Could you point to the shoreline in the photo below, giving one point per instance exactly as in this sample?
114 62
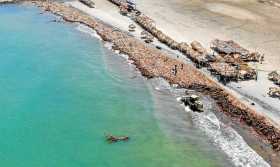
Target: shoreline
153 63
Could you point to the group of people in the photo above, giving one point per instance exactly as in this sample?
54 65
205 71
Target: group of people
174 70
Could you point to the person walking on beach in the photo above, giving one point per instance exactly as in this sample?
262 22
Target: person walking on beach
174 70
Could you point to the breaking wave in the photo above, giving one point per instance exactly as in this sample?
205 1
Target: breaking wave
222 136
87 30
228 140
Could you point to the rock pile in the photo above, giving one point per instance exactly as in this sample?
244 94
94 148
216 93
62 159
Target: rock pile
274 92
231 48
236 58
149 25
275 77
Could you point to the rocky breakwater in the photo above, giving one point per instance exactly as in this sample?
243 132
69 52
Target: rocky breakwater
231 65
229 61
154 63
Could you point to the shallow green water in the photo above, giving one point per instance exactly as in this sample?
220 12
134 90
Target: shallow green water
58 100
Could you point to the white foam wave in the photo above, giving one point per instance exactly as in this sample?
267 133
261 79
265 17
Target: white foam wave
223 136
87 30
228 140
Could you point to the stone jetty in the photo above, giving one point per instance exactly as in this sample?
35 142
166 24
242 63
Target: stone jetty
153 63
228 52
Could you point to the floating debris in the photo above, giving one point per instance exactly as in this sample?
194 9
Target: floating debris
114 139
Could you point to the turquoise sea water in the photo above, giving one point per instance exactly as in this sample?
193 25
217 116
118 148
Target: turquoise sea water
58 100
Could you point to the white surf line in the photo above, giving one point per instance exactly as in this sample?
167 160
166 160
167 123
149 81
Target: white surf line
222 136
89 31
228 140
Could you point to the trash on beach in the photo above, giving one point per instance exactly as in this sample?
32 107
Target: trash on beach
88 3
193 101
274 92
114 139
